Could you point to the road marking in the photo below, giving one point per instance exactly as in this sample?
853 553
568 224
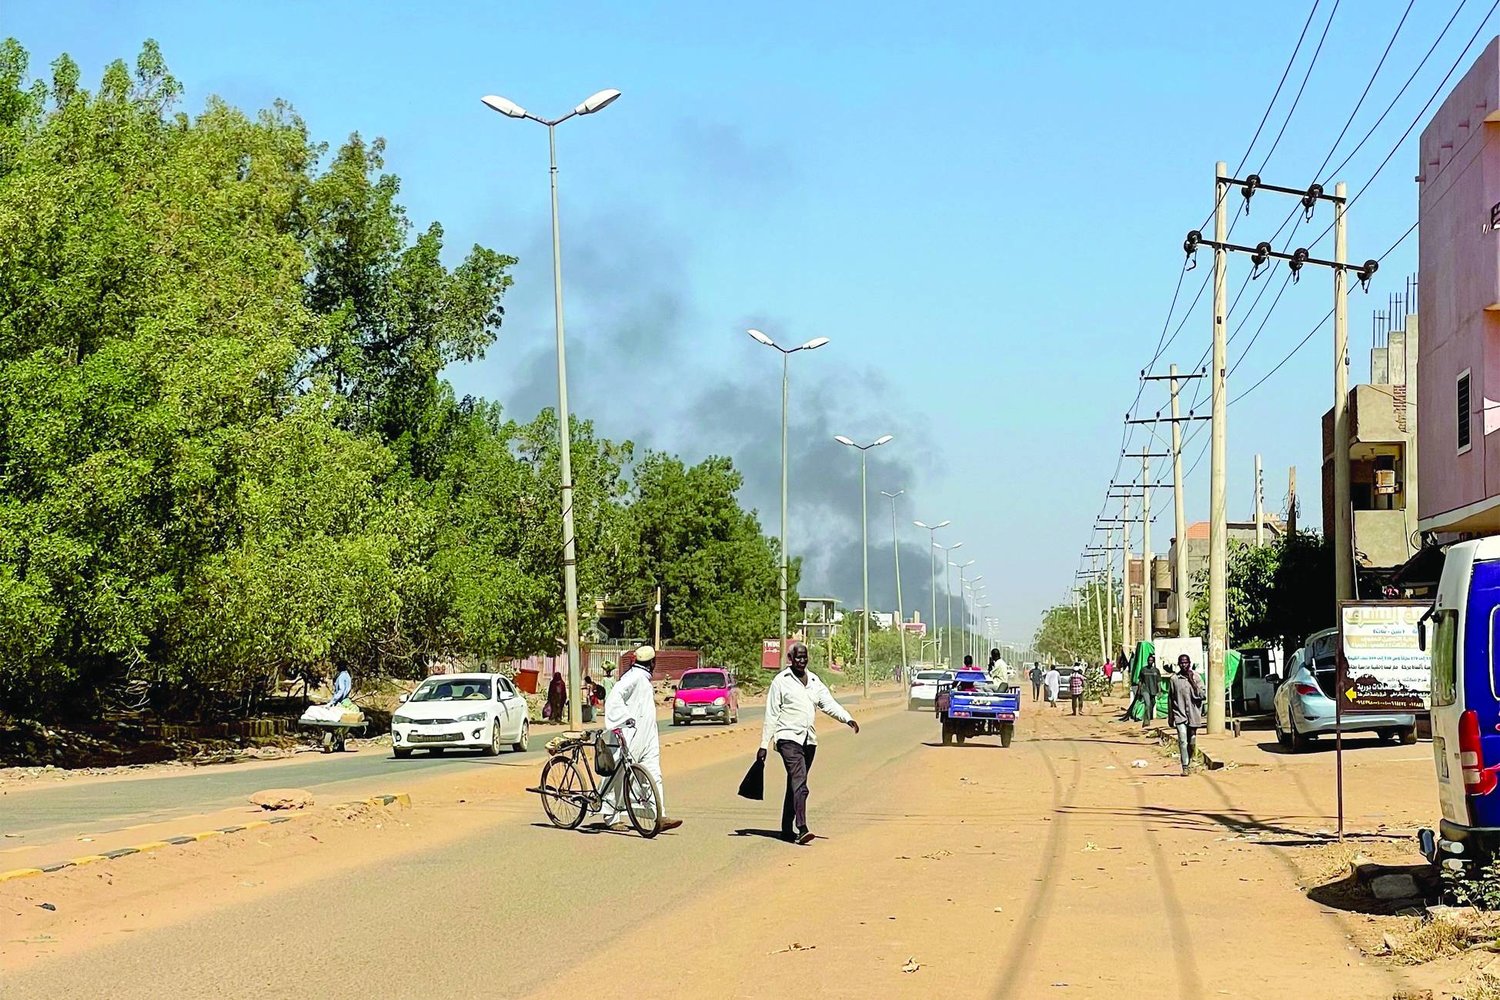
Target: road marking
16 873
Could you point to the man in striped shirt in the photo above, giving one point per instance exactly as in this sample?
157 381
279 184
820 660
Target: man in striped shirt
792 704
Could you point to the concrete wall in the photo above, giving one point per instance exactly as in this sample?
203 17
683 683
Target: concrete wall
1381 536
1458 291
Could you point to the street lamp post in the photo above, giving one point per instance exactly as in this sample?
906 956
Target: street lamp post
595 103
947 550
900 607
786 353
960 567
864 530
932 530
976 590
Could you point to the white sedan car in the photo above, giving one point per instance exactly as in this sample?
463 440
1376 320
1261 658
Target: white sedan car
924 688
475 711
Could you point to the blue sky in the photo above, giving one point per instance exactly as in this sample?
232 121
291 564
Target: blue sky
983 208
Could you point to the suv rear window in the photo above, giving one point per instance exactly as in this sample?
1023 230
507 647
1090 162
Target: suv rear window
700 679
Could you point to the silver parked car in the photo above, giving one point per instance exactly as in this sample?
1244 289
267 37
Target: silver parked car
1304 700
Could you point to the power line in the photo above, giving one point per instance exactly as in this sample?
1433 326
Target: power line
1305 77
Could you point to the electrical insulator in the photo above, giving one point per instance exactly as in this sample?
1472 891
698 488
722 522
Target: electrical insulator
1299 257
1251 183
1367 272
1259 257
1310 201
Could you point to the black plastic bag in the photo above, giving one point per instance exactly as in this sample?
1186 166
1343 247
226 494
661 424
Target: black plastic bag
753 786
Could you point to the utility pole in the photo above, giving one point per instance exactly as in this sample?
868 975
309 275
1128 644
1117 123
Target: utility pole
1343 543
1291 502
1260 513
656 632
1260 253
1179 505
1127 624
1218 530
900 606
1147 586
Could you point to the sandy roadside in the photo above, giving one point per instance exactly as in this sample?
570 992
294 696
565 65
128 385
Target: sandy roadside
109 900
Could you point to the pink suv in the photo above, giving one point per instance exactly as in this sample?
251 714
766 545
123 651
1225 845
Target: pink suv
706 694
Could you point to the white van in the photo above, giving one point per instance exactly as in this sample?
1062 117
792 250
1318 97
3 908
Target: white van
1460 637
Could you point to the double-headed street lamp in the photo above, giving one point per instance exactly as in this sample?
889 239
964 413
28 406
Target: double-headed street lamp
900 607
960 567
947 550
598 102
932 530
786 352
864 530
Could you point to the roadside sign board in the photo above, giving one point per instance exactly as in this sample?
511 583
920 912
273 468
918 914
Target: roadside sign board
1381 667
770 654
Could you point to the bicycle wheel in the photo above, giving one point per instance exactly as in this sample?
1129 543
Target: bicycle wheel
564 794
643 801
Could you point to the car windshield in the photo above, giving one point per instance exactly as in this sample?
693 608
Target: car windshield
702 679
476 689
930 675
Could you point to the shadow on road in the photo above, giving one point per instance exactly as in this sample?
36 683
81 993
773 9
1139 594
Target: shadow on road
1324 745
767 834
965 746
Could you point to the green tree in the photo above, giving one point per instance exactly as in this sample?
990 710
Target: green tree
1276 593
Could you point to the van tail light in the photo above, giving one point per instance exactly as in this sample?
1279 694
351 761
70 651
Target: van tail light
1478 779
1307 689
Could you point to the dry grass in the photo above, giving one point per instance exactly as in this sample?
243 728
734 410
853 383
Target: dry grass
1429 940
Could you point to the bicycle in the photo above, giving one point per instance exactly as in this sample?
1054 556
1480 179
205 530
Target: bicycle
568 789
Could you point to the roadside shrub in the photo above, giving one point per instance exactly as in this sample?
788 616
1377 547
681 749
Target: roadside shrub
1480 888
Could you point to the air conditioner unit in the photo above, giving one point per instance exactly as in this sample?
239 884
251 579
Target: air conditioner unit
1385 481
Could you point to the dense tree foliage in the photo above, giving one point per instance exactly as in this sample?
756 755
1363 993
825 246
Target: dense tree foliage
1281 592
1070 631
227 454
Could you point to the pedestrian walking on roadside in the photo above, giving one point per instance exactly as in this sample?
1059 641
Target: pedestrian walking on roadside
1075 688
1150 691
1123 666
1036 676
609 679
1109 677
631 709
557 699
792 704
1051 680
1184 714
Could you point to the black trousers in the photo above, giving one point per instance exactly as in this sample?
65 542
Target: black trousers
1036 690
798 758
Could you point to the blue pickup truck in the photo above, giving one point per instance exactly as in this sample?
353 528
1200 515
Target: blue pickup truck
973 705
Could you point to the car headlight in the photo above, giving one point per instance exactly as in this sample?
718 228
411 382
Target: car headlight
472 717
720 702
401 720
679 703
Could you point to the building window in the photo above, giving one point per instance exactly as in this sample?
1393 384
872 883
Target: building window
1464 442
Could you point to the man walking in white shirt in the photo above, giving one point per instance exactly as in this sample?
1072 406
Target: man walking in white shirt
791 707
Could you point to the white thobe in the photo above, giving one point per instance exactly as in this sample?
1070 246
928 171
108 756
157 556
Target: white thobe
634 698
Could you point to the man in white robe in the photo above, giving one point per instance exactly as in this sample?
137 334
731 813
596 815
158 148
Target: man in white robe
633 700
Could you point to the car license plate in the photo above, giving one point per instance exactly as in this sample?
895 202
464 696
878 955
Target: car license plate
700 711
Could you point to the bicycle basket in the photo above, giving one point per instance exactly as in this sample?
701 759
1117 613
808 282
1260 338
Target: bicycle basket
609 752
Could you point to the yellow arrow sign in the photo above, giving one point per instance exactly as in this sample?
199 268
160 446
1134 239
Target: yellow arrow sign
1350 695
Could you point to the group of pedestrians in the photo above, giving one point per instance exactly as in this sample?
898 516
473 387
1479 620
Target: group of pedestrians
792 704
1049 681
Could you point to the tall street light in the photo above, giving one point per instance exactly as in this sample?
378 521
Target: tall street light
864 530
598 102
900 607
960 567
811 345
947 550
932 530
975 591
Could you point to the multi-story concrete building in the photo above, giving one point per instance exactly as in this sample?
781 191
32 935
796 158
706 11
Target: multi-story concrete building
1382 455
1459 304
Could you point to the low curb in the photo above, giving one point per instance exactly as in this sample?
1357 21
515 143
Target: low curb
400 799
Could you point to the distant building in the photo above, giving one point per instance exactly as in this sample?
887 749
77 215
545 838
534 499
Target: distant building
1382 455
1172 597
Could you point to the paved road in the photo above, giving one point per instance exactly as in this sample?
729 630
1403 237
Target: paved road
968 863
42 813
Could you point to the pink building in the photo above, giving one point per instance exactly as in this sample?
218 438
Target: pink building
1458 368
